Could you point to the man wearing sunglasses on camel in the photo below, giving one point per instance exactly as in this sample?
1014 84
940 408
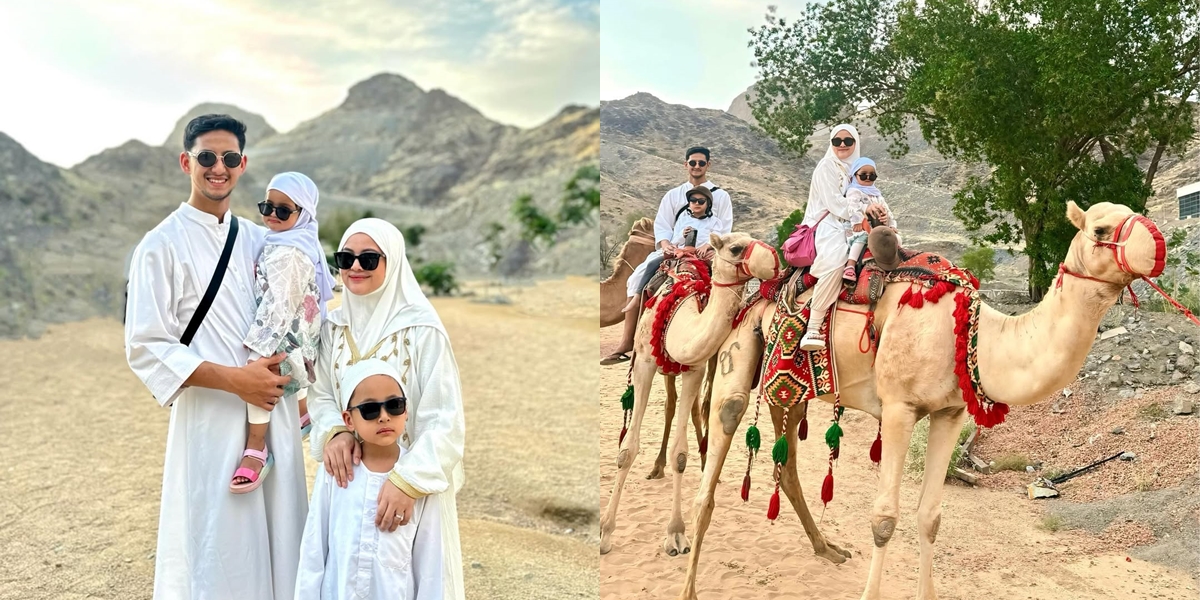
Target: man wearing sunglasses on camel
697 161
191 302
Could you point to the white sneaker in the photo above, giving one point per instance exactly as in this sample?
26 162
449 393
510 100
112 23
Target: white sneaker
812 340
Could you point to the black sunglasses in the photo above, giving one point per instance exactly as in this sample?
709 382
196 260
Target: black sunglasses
867 176
370 410
698 200
835 142
697 163
208 158
368 260
283 213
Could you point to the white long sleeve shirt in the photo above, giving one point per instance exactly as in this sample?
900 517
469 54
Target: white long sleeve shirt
676 198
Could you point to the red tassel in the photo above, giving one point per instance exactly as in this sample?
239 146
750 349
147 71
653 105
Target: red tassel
827 488
704 445
746 488
803 429
906 297
877 449
773 507
917 300
624 430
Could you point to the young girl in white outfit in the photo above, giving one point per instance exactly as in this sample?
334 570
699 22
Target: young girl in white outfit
860 194
343 554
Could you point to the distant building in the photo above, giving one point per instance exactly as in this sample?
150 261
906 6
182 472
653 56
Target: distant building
1189 201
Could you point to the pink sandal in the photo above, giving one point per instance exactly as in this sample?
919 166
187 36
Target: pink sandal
849 274
255 478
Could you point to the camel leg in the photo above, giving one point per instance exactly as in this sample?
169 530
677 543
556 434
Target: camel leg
644 370
676 542
669 418
898 421
789 481
944 427
731 387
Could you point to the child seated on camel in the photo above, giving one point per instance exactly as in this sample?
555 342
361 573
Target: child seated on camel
691 226
344 553
861 193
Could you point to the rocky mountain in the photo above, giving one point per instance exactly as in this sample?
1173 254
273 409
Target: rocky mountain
408 155
641 158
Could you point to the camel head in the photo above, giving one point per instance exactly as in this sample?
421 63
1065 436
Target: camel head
1115 244
741 258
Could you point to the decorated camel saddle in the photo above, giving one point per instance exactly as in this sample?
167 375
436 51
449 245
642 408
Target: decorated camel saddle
676 280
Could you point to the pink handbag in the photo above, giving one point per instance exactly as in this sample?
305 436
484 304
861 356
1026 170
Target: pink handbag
800 249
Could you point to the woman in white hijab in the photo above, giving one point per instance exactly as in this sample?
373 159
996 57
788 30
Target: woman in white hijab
828 212
385 315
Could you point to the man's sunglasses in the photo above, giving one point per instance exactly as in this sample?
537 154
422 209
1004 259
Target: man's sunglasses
867 176
208 158
370 410
283 213
368 260
848 141
697 163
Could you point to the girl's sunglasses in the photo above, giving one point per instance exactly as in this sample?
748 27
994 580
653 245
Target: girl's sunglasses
867 176
835 142
208 158
370 410
697 163
368 260
283 213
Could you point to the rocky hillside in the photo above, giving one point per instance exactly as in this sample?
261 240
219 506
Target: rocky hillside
644 138
409 155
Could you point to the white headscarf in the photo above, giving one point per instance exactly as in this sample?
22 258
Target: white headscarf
303 235
857 152
397 304
359 372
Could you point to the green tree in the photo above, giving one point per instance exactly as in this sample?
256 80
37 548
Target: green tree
981 261
1059 98
786 228
412 234
581 197
438 277
535 225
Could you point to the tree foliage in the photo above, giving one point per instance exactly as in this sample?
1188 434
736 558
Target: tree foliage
785 229
581 197
1059 98
980 261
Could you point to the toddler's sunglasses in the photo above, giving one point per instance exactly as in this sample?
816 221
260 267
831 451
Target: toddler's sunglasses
368 260
208 158
867 176
370 410
283 213
835 142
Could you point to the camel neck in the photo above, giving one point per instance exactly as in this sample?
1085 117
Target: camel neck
1023 359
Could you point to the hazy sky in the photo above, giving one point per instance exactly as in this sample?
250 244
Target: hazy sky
690 52
85 75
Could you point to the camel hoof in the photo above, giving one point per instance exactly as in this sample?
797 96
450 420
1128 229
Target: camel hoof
676 544
657 473
606 533
605 545
834 554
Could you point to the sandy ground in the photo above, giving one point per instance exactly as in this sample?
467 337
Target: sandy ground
83 443
989 544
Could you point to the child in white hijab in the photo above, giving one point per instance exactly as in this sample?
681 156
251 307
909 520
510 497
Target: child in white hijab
829 213
861 193
292 284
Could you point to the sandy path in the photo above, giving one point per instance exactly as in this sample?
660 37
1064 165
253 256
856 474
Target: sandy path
989 542
83 454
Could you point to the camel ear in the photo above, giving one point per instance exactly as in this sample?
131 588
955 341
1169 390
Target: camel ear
1075 214
715 241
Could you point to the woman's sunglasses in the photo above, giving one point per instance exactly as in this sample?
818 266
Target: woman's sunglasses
368 260
867 176
283 213
848 141
697 163
370 410
208 158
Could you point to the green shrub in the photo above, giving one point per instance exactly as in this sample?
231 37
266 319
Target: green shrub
438 277
981 261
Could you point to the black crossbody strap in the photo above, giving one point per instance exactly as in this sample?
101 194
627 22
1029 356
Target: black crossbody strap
211 293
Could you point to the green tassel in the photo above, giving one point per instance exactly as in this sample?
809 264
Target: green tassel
627 399
753 439
840 410
780 452
833 436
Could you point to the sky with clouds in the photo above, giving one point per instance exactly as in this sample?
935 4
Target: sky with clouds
85 75
690 52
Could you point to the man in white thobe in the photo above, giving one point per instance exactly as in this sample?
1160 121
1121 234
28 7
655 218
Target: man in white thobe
213 544
697 160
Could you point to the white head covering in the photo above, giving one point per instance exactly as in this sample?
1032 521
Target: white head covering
360 371
397 304
857 145
303 235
